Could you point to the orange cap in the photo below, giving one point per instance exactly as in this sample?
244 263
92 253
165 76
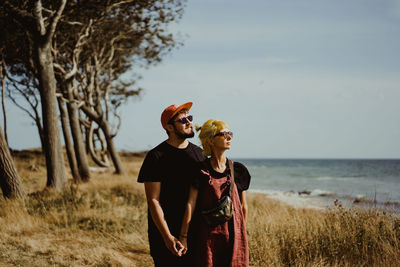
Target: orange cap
171 111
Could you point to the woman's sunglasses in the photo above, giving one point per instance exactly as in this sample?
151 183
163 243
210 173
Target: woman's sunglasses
185 120
224 134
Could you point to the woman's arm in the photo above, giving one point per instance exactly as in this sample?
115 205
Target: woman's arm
187 217
157 214
244 205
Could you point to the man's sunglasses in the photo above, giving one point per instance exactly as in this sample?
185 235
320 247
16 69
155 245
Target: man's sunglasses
225 134
185 120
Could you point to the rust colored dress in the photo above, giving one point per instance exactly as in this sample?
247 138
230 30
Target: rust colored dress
226 244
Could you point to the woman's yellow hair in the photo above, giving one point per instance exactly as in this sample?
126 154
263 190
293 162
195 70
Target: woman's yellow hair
209 129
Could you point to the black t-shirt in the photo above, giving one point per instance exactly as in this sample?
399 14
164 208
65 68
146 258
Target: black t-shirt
175 168
242 175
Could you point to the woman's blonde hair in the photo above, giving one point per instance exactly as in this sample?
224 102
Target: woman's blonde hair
209 129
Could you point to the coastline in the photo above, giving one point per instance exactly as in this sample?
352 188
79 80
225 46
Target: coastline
321 200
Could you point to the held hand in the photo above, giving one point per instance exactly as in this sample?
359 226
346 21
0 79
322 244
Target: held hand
183 240
174 245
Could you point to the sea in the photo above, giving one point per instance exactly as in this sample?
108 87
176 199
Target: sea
319 183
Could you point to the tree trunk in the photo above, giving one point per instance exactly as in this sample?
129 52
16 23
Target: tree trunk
96 145
56 175
79 144
68 142
3 75
40 131
9 180
119 168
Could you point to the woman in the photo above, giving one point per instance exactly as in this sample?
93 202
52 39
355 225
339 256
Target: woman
226 243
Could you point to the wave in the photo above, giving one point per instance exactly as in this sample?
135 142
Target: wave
321 199
294 199
340 179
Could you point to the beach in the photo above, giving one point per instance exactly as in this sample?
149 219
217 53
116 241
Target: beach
104 223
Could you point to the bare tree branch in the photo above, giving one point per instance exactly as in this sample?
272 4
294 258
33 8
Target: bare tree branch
72 23
90 113
78 49
54 20
37 12
51 12
116 130
59 68
119 4
9 95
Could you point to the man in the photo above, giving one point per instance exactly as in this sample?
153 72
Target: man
167 173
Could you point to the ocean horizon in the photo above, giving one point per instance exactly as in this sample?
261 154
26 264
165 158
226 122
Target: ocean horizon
319 182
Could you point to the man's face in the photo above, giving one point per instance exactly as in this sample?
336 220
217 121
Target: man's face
183 127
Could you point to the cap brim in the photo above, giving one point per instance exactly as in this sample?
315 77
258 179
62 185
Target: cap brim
186 105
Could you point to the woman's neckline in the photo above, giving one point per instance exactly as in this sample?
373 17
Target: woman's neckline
215 171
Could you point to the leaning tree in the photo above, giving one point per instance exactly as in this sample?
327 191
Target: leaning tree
10 182
39 24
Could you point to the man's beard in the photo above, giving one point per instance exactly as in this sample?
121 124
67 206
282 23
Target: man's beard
183 135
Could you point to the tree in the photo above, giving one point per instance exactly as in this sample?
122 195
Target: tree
10 183
69 146
67 67
41 28
9 180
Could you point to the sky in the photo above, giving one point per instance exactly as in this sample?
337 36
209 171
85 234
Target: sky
291 78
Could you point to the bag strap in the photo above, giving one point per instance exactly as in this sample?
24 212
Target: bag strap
232 177
230 163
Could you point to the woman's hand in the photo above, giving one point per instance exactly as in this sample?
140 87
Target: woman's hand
174 245
183 240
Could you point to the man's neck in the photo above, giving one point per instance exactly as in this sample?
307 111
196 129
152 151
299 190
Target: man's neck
177 142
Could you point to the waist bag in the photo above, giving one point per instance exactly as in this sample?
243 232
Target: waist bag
223 211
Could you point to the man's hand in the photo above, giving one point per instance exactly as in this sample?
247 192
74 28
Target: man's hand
183 241
157 214
174 245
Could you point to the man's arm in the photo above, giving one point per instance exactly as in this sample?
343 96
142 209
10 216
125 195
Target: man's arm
244 205
187 217
157 214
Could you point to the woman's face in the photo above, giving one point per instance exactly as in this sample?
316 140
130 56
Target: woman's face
222 140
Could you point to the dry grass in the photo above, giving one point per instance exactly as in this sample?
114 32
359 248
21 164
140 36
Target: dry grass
280 235
104 223
100 223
